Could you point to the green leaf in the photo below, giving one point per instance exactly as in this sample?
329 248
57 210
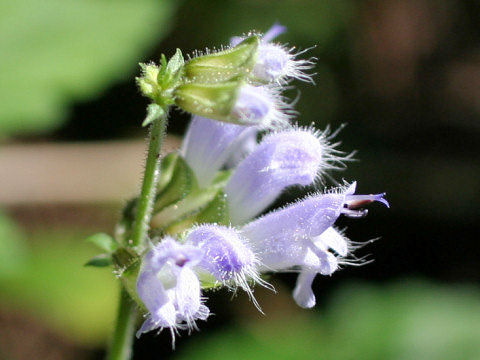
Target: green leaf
56 52
101 260
104 242
182 183
154 112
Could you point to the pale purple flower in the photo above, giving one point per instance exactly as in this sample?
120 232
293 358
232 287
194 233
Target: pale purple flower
243 147
275 62
276 30
227 256
261 106
300 235
282 159
209 144
169 288
320 261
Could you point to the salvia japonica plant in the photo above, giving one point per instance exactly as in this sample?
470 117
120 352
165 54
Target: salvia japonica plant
197 223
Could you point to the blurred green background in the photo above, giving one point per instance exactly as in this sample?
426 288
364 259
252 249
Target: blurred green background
403 74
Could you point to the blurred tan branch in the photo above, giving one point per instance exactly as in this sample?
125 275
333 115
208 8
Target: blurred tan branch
72 173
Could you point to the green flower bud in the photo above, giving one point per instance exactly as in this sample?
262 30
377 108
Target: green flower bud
236 102
214 101
224 65
148 82
159 82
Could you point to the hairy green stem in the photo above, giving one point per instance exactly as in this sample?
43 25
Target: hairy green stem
121 346
150 181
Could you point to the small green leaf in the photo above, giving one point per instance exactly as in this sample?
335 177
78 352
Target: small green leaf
101 260
154 112
103 241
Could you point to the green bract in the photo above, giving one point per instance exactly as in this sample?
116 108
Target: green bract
159 82
224 65
180 202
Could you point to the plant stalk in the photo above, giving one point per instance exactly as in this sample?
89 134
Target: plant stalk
121 346
122 341
150 181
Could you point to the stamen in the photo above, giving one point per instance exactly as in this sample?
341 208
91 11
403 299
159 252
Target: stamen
354 213
357 201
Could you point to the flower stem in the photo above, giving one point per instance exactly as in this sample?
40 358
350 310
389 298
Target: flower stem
121 346
150 181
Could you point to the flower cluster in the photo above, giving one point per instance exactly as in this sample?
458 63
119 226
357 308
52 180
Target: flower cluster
209 222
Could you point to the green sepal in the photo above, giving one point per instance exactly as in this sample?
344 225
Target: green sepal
101 260
127 265
124 257
124 226
223 65
215 212
154 112
178 216
181 183
166 170
214 101
103 241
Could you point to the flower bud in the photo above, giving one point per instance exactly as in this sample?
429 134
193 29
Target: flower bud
169 288
234 102
282 236
148 82
226 255
282 159
276 63
223 65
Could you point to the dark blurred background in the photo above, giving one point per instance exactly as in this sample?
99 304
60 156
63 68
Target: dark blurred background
404 75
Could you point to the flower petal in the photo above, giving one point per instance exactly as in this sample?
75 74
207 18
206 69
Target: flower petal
209 143
187 294
303 293
280 160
